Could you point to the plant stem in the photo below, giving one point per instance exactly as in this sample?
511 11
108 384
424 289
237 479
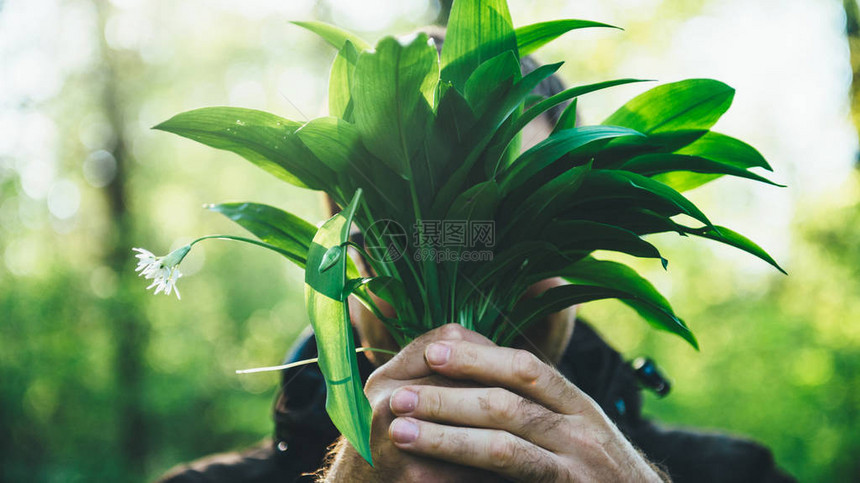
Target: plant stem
306 361
246 240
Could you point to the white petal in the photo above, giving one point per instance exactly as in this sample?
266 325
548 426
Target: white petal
143 253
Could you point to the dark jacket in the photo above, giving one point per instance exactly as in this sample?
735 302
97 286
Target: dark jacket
303 430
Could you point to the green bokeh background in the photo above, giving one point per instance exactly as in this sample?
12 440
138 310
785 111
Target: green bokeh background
101 381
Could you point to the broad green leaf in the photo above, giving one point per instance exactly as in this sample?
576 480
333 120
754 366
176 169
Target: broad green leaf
325 299
391 110
335 36
718 148
603 184
644 221
533 112
388 289
727 150
735 239
503 139
682 181
482 132
508 260
264 139
491 80
653 164
567 120
340 82
646 300
532 37
688 104
477 203
273 226
478 30
620 150
393 291
454 116
532 310
333 141
589 236
452 125
637 219
552 148
528 216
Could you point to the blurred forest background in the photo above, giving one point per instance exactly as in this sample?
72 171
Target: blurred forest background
99 380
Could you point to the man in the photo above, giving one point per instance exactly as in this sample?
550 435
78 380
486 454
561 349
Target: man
453 406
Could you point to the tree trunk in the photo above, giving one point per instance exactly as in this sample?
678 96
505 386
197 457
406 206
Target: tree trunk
130 330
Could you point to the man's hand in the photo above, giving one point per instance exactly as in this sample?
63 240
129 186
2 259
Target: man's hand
407 368
529 424
514 417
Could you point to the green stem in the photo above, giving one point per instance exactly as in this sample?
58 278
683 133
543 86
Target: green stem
306 361
246 240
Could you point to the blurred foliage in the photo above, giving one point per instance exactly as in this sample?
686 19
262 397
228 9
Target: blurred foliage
779 354
778 361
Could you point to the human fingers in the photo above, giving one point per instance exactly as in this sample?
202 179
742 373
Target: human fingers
409 362
497 451
485 407
517 370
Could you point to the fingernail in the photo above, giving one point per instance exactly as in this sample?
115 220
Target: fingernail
404 431
403 401
438 354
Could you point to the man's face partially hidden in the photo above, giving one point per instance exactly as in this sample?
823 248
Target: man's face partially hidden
547 339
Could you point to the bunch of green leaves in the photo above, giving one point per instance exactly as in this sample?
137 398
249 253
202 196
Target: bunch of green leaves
414 136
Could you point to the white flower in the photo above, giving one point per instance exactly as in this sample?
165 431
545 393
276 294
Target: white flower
163 271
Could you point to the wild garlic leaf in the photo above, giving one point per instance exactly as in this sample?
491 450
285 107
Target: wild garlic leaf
735 239
325 298
688 104
539 206
532 37
567 119
478 30
584 235
653 164
273 226
640 294
491 81
552 148
572 93
725 149
332 140
603 185
392 111
482 133
264 139
529 311
334 35
340 102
